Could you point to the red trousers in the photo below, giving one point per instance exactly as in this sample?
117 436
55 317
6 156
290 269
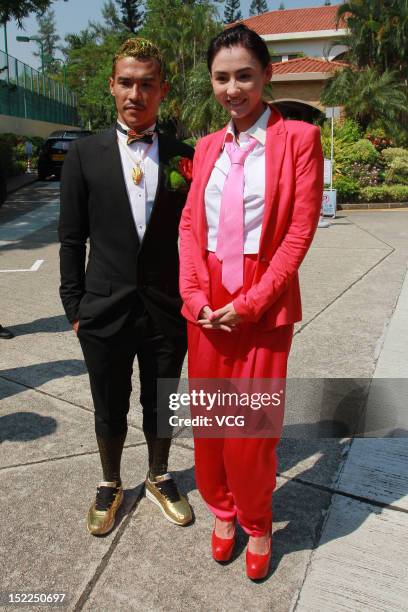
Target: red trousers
236 476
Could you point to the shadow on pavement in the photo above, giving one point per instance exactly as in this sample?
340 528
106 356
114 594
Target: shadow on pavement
59 323
302 507
34 376
35 240
302 518
25 426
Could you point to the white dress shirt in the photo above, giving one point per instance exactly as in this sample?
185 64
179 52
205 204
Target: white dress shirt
141 196
254 186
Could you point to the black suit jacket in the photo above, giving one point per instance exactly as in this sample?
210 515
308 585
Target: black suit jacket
123 275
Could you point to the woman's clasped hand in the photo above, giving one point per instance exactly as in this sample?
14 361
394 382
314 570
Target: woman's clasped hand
224 318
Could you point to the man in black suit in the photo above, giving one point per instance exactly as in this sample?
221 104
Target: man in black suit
115 191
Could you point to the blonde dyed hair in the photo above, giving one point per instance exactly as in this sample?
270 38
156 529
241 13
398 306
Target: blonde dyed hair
139 48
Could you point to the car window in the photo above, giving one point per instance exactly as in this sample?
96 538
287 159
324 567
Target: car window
59 146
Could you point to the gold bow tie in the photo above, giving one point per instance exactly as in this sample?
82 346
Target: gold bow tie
133 136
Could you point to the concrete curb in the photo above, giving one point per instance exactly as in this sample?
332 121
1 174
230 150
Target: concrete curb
371 205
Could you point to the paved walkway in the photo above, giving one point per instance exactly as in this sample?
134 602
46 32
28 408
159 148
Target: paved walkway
340 507
17 182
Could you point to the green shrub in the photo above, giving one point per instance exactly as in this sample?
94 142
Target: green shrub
362 151
397 171
384 193
10 139
20 166
347 188
392 153
346 132
19 151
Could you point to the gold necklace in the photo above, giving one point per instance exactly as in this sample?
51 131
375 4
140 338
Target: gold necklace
137 170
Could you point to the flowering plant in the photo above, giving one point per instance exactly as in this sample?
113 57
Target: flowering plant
179 173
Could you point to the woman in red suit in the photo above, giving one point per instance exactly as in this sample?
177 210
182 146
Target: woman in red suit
250 217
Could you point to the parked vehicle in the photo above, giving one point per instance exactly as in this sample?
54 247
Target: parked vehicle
52 153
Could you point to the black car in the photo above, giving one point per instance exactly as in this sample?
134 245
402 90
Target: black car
52 153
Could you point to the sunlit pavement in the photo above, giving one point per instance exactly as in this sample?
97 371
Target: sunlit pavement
340 508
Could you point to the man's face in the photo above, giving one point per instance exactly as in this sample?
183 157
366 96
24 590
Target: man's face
138 89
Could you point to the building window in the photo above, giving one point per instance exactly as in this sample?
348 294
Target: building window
275 58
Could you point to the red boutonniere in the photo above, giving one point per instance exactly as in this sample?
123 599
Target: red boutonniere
179 173
185 167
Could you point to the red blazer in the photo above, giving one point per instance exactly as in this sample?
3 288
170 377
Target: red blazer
293 198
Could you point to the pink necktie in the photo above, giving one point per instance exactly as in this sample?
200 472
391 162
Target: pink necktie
230 238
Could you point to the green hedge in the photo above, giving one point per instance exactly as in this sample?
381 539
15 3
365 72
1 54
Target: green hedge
347 188
384 193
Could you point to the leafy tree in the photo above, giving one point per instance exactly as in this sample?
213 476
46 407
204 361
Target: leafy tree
374 88
201 112
110 16
89 55
75 42
232 11
378 33
47 31
258 7
9 9
18 9
131 14
183 39
369 96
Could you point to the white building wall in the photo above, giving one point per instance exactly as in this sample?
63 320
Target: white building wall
317 47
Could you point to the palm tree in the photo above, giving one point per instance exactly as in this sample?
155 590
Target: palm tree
367 95
200 111
378 33
182 31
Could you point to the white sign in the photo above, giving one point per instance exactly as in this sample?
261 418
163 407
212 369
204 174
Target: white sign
28 146
333 111
327 171
329 203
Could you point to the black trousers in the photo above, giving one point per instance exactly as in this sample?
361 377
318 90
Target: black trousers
110 366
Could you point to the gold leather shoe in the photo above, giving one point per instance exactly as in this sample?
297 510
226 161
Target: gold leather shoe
164 493
101 515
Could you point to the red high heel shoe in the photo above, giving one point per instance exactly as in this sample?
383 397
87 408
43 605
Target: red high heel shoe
222 547
257 566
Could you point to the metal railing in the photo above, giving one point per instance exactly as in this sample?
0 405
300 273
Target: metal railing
26 92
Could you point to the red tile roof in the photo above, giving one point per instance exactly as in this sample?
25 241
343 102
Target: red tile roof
306 64
294 20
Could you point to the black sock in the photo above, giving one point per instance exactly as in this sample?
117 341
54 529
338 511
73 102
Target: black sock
110 452
158 449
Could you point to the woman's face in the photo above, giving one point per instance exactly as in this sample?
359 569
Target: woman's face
238 80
